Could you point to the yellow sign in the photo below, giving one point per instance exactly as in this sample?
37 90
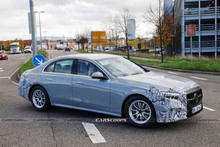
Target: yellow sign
99 37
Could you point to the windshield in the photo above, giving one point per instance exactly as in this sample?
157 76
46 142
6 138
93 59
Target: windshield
1 52
119 66
14 46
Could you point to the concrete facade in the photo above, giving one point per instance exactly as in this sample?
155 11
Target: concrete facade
206 15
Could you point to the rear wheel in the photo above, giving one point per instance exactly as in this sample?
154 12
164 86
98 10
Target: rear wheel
139 111
40 99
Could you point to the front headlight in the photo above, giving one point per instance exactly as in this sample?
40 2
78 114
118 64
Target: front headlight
172 95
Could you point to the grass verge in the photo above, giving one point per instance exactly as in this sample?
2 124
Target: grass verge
197 65
29 65
8 52
177 62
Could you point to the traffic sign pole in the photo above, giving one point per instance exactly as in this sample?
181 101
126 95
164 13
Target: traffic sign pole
33 28
191 49
191 31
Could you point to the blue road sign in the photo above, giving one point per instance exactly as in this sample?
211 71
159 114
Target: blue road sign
38 60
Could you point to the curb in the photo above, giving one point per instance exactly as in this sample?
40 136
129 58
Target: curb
181 70
14 77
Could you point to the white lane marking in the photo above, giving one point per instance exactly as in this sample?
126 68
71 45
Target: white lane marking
173 73
210 109
12 75
1 70
198 78
93 132
15 83
4 77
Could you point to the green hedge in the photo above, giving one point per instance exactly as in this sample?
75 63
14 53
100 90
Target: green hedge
29 64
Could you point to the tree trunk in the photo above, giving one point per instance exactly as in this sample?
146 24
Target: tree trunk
161 51
127 45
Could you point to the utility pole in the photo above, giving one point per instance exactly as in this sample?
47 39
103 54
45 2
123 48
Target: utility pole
32 27
39 12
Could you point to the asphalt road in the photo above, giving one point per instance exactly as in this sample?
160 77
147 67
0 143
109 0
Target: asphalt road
21 125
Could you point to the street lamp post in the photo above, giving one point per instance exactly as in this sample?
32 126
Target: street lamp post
39 12
32 27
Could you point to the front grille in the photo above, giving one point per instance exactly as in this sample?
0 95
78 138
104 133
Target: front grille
194 98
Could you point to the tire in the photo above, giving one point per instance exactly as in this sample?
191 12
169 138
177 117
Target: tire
139 111
40 99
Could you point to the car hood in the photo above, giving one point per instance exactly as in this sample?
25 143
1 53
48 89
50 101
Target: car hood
161 81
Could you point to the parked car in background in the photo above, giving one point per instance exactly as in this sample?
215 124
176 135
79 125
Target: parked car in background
107 49
125 48
67 49
158 50
99 49
3 55
112 85
60 48
27 49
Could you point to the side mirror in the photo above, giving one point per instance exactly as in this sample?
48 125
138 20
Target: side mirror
98 75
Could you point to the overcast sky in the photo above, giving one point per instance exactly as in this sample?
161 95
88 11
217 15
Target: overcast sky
67 17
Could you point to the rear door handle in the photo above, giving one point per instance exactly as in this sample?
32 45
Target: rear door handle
49 79
79 83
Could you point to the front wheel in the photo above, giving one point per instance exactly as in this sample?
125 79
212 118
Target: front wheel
139 111
40 99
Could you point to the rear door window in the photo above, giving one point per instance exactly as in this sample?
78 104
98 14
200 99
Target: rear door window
63 66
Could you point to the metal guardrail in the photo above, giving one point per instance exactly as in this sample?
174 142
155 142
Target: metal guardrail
203 11
195 44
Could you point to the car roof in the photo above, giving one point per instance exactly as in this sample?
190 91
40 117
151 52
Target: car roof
90 56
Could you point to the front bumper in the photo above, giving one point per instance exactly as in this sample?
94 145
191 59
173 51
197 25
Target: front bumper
174 114
172 110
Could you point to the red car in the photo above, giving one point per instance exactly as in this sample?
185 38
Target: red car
3 55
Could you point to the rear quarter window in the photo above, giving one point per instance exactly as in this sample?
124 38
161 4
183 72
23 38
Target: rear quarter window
49 68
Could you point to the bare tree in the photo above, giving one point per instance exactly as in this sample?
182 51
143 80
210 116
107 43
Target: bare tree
155 16
112 27
81 39
109 26
87 35
116 29
123 26
78 40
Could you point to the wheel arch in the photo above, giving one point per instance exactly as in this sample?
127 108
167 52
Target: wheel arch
29 94
128 97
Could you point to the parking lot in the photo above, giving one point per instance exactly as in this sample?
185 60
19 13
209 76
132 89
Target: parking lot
21 125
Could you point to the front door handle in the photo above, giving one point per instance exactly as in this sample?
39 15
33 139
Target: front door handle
49 79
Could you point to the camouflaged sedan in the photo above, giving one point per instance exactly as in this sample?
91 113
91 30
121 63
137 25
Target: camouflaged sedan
112 85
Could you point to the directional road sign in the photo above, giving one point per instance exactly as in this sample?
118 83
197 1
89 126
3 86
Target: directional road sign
38 60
